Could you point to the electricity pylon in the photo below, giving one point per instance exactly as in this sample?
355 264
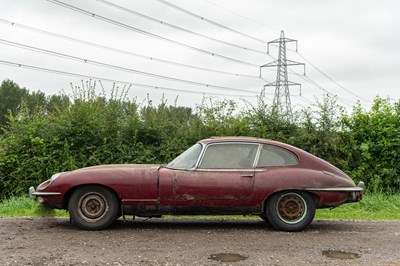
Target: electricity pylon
282 104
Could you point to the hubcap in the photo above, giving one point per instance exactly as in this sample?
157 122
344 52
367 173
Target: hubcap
92 206
291 208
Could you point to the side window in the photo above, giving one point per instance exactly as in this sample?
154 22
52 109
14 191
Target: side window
229 155
276 156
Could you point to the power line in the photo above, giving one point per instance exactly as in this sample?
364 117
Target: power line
25 27
239 15
178 28
314 83
209 21
326 91
64 73
165 61
335 82
329 78
126 26
304 99
111 66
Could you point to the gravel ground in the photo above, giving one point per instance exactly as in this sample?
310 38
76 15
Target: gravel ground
54 241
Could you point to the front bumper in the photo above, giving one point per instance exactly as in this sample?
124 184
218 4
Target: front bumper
33 194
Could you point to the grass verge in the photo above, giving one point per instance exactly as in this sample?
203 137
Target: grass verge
24 206
372 207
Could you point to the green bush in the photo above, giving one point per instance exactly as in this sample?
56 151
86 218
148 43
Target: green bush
375 145
61 133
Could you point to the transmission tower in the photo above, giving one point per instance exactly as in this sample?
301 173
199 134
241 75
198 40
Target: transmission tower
282 104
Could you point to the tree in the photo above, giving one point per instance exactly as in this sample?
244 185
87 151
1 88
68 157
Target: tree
11 96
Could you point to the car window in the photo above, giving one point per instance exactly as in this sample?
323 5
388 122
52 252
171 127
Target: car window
229 155
276 156
188 159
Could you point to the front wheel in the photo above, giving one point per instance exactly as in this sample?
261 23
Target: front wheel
93 207
290 211
265 218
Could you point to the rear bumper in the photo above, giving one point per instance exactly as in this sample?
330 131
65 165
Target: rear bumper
355 192
359 188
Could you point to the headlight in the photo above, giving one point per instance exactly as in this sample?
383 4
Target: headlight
55 176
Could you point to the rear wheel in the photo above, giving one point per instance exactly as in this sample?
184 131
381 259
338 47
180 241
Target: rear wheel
93 207
291 211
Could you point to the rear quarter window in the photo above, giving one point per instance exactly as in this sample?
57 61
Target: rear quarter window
275 156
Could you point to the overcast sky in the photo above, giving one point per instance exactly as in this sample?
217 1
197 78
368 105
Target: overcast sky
350 48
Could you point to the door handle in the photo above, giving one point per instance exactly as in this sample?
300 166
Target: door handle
248 175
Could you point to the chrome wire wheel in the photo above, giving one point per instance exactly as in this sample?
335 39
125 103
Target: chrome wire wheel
92 206
291 208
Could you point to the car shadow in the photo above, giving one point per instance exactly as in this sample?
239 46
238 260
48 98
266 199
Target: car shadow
226 224
190 223
209 224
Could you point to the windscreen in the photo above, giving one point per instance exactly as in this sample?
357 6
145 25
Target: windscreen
188 159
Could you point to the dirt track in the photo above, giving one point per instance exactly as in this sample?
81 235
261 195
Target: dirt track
54 241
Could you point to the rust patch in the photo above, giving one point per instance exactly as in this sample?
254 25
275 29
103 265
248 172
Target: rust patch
187 197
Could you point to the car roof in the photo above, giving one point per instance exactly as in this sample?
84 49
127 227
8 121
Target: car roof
251 140
236 139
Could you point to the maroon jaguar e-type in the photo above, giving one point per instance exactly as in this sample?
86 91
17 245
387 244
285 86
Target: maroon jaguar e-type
231 175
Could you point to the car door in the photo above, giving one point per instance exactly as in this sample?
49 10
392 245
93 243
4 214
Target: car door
225 173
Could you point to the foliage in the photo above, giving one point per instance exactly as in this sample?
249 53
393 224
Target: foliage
42 135
10 99
320 131
14 98
374 137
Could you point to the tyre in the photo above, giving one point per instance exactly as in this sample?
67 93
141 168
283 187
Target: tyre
265 218
290 211
93 207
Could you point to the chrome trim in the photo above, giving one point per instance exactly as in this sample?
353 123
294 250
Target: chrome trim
336 189
230 170
328 173
46 193
258 154
359 188
33 193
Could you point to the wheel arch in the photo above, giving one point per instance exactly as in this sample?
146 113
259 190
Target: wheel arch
314 196
69 193
294 213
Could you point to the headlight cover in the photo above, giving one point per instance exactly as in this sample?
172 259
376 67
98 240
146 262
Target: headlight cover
55 176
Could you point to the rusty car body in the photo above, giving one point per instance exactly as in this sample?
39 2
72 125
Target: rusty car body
282 184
